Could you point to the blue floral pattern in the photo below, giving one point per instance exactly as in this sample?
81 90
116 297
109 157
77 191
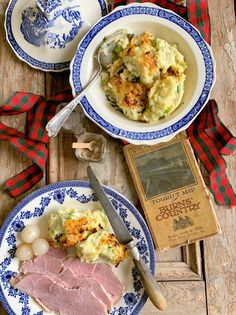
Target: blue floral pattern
57 195
38 29
32 25
49 5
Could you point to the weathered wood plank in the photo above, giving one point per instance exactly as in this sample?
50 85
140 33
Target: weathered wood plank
182 297
15 76
220 251
175 271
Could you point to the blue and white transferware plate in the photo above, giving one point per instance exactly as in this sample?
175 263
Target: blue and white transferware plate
36 207
45 33
200 73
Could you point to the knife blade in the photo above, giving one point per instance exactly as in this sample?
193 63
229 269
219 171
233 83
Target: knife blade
117 224
150 284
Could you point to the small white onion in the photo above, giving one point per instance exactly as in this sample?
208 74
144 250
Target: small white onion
24 252
40 246
30 233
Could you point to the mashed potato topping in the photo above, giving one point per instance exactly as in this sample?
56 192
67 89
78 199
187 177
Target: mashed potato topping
88 232
146 80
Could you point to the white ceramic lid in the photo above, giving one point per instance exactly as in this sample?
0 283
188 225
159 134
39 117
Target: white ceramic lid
49 41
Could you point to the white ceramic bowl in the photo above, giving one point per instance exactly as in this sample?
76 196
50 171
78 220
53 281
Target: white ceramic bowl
200 74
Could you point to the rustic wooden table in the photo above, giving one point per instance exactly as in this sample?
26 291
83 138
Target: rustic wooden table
197 279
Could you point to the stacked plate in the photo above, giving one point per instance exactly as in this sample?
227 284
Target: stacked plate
45 34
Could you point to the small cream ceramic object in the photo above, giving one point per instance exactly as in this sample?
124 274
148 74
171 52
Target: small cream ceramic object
98 149
75 125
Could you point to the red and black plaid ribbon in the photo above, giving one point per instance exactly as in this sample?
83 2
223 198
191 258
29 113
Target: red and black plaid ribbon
210 140
209 137
33 143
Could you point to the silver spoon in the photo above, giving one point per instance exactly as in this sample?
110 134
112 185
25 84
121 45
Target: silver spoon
105 58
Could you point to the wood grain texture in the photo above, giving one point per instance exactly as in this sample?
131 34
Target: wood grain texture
113 171
179 270
220 251
15 75
183 298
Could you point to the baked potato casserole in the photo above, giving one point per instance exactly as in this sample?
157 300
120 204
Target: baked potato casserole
146 80
86 231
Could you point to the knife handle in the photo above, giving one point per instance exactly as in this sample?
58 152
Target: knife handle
151 285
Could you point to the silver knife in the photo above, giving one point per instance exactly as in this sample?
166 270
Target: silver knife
150 284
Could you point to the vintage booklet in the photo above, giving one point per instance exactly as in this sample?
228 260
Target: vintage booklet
172 192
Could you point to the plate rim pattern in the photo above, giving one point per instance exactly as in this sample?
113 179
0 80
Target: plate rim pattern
80 184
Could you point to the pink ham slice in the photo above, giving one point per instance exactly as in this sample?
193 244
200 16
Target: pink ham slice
57 252
50 266
52 262
55 297
43 264
70 273
101 272
68 280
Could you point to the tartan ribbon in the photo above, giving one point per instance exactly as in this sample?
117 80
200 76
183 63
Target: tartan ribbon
210 140
33 142
208 136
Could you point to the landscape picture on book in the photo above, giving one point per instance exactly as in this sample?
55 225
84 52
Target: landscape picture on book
164 170
172 192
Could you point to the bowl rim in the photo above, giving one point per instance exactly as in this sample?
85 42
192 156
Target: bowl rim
181 123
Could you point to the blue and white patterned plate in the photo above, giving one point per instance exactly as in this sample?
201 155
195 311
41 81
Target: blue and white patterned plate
36 207
47 37
200 74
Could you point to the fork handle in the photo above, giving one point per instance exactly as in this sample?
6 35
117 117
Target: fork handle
57 122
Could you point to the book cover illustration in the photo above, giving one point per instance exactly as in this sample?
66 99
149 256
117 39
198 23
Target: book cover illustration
172 192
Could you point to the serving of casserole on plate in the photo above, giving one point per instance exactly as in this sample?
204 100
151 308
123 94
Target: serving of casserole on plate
37 209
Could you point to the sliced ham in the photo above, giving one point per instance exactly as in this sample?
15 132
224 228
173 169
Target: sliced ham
68 279
52 262
101 272
78 268
55 272
57 252
55 297
43 264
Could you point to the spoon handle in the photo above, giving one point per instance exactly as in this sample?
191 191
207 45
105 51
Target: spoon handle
57 122
82 145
